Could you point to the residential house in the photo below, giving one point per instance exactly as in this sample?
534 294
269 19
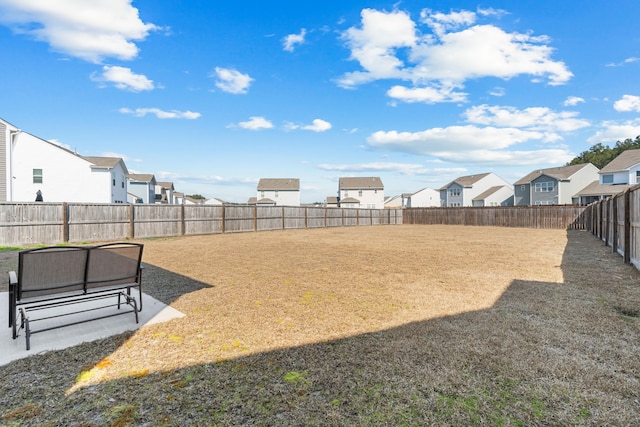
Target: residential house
463 190
361 192
424 198
178 198
30 165
616 177
331 202
500 195
214 201
141 188
278 192
554 186
393 202
164 192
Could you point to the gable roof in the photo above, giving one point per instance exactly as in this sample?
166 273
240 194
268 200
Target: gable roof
623 162
165 184
349 200
597 189
559 173
466 181
142 177
361 183
489 192
278 184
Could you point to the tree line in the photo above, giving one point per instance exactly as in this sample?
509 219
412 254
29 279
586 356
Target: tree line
600 155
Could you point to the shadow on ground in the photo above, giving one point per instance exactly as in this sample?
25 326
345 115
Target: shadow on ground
544 354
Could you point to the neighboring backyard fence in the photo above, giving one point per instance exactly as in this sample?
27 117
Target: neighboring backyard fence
51 223
558 217
616 221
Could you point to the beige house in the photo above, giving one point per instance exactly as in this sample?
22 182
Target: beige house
554 186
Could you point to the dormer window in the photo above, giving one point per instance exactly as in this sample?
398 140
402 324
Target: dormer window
607 179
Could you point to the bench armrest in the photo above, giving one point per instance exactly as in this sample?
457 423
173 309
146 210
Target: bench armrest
13 278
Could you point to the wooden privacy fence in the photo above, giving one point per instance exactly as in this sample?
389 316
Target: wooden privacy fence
557 217
50 223
616 220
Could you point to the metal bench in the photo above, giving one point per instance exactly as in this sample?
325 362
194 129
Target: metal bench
60 276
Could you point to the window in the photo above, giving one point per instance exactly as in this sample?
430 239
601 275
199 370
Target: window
607 179
346 193
544 187
37 176
455 191
276 193
262 194
523 188
113 178
359 193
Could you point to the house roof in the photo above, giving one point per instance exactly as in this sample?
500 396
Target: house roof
597 189
165 184
489 192
332 200
623 162
349 200
265 201
559 173
252 200
466 181
361 183
278 184
141 177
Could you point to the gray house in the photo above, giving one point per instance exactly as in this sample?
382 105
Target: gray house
554 186
464 190
141 188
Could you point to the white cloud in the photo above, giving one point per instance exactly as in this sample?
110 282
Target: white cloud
90 30
232 81
401 168
628 103
374 46
513 158
626 61
573 101
428 95
534 118
290 41
317 125
123 78
256 123
388 45
463 138
614 131
161 114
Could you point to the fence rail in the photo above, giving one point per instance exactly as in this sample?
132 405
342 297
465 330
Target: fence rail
556 217
50 223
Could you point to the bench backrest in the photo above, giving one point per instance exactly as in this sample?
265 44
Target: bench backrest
51 270
113 264
76 269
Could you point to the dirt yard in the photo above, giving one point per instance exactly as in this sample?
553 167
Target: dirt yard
381 325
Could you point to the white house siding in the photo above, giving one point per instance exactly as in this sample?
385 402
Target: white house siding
66 177
4 136
425 198
281 197
578 181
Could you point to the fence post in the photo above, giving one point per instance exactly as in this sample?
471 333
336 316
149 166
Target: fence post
627 227
65 222
183 227
131 221
224 210
614 221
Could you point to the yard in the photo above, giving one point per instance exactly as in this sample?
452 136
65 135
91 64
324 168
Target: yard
370 325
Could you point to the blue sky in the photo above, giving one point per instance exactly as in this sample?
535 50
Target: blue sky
216 95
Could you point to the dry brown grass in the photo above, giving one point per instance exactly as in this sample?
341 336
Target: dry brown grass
383 325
